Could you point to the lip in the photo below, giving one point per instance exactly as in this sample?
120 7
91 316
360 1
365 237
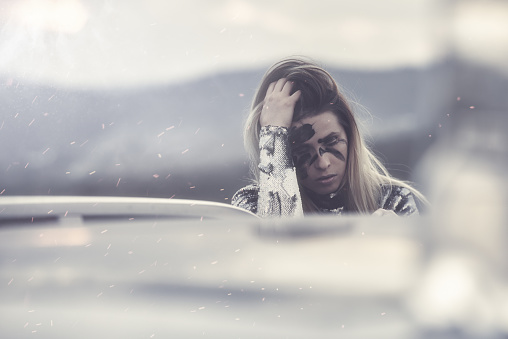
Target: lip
326 179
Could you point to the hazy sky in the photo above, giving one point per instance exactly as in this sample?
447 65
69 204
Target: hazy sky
108 43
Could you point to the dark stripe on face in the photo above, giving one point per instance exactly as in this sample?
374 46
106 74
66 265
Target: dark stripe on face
331 139
302 173
300 163
326 140
335 152
301 160
299 135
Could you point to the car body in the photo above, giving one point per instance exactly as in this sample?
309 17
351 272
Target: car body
145 268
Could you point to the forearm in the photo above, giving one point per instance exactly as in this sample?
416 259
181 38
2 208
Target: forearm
279 195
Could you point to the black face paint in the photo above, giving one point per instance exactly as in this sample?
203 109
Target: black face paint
330 141
297 137
300 163
335 152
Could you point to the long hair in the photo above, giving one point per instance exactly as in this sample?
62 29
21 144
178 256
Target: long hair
365 174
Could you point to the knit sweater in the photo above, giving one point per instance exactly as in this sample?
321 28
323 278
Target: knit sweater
278 193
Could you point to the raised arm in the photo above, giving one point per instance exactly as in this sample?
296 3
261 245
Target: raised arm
278 185
277 193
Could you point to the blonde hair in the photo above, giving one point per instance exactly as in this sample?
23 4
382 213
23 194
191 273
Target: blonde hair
365 174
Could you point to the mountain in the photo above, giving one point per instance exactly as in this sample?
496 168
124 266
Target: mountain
184 140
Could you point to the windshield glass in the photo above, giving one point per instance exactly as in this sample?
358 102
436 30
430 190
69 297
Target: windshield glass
148 98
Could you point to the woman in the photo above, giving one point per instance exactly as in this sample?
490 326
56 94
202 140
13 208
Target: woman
307 154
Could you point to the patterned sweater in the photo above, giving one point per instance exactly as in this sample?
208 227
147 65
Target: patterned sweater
278 193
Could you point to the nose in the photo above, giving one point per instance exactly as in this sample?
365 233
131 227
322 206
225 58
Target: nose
323 161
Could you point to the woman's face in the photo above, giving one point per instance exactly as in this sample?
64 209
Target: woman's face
320 150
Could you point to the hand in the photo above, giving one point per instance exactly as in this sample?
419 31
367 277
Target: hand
279 104
384 213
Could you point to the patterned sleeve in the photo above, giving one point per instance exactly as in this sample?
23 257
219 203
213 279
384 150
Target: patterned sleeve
246 198
400 200
277 194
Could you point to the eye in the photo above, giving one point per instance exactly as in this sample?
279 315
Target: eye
301 159
334 141
331 141
305 159
299 151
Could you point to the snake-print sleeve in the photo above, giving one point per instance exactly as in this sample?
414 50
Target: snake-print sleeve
246 198
400 200
278 194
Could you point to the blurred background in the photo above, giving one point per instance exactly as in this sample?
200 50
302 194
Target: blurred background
147 98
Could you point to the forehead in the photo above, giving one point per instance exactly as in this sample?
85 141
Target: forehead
323 124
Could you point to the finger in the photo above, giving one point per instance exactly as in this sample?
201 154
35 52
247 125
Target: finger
280 84
270 88
286 89
296 95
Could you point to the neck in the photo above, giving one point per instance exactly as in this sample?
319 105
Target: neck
330 200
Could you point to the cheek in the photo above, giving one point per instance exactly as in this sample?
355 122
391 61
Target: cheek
340 162
337 153
302 163
306 183
302 173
